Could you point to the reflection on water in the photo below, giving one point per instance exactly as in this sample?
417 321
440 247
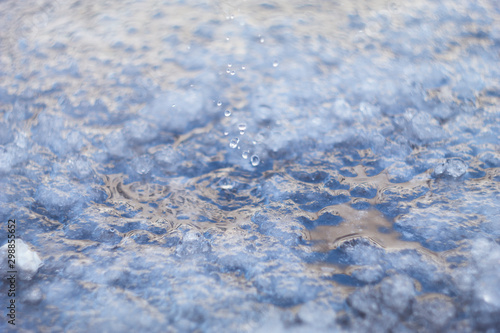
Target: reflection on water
244 166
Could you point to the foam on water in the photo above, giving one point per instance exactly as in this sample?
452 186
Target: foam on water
234 168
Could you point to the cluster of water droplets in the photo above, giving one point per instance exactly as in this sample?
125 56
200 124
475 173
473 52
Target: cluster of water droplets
234 142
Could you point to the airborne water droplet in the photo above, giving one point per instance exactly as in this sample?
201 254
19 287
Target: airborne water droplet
242 127
219 103
227 113
275 63
255 160
234 142
245 154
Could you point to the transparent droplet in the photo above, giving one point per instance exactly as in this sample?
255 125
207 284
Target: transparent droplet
242 127
219 103
243 67
173 105
228 71
255 160
227 113
245 154
261 39
226 133
275 63
226 183
233 72
234 142
227 38
229 65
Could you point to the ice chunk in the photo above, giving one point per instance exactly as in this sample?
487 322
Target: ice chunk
175 110
27 260
142 164
107 235
316 314
140 131
6 135
368 110
116 144
342 109
433 312
397 292
80 167
368 274
33 295
423 127
365 300
451 168
192 243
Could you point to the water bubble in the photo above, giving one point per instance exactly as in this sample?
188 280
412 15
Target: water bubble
219 103
227 113
255 160
234 142
245 154
275 63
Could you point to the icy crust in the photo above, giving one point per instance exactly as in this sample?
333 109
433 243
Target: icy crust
26 261
232 169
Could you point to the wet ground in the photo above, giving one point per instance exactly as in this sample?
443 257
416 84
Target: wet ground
212 166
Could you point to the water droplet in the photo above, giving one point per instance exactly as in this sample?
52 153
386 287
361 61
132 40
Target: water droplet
226 183
173 105
226 133
242 127
227 113
261 39
219 103
245 154
228 71
255 160
275 63
233 72
234 142
243 67
229 65
227 38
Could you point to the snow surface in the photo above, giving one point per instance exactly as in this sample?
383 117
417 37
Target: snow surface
190 166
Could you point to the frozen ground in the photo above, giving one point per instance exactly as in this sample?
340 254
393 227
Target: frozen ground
224 166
